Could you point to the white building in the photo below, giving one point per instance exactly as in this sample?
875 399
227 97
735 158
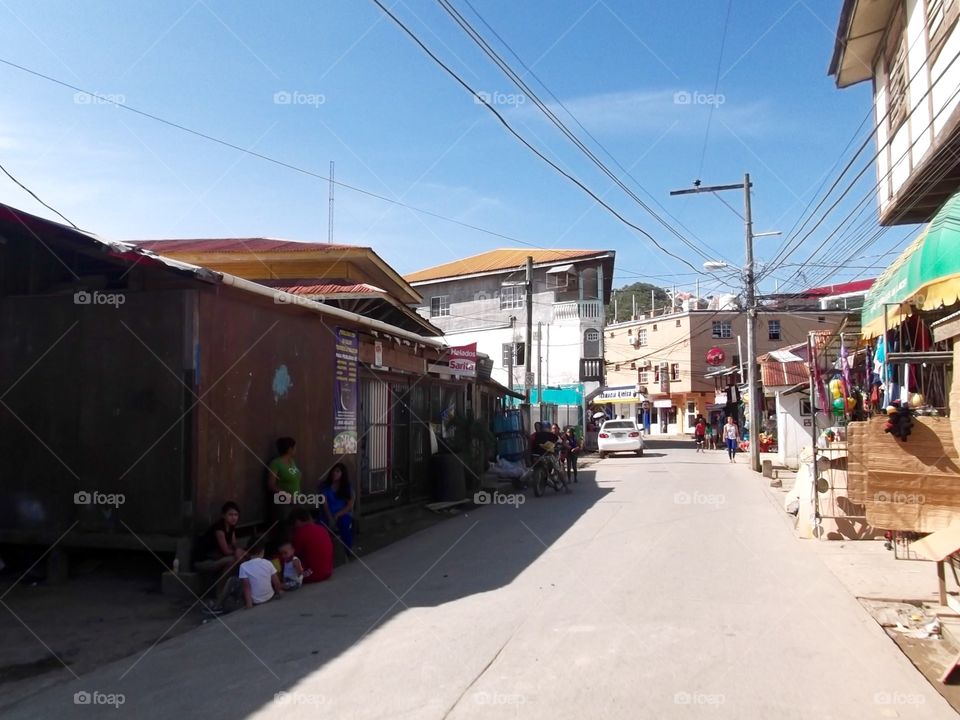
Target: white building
909 49
483 299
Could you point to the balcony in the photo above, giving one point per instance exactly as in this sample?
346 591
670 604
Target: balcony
578 310
591 370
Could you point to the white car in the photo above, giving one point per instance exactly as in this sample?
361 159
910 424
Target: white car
619 436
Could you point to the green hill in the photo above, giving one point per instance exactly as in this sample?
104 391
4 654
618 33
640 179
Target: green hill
624 300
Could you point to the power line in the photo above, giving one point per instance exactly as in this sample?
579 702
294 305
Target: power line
37 198
446 68
261 156
529 71
716 87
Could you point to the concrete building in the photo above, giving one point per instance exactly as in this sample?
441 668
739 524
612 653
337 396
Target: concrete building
908 49
664 360
482 299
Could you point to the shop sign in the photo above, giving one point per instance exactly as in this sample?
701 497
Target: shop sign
378 353
611 394
345 393
716 357
668 403
664 378
463 360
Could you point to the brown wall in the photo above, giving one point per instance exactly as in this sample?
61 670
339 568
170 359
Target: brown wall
266 371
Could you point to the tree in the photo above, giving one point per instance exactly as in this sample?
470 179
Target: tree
640 291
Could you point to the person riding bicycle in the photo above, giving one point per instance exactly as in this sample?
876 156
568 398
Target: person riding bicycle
542 435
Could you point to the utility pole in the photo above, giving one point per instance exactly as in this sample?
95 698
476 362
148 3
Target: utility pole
753 407
527 348
513 351
634 298
615 313
539 369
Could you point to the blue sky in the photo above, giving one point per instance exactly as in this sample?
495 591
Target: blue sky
362 94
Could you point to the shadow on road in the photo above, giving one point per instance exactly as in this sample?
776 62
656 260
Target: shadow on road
265 652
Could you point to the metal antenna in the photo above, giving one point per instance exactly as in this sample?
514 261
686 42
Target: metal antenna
330 208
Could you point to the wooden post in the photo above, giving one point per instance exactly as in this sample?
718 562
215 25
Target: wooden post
942 581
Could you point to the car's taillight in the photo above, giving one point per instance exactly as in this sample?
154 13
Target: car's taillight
634 434
604 435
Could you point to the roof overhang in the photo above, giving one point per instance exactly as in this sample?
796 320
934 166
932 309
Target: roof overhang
313 260
860 31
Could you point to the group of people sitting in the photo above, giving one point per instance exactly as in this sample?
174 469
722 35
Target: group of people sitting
564 443
298 551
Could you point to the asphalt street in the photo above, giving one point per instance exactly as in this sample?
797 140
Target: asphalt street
667 586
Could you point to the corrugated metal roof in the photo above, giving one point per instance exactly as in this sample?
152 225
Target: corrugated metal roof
839 288
501 259
779 374
328 288
252 245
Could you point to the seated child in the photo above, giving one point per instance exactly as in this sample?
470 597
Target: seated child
289 567
259 579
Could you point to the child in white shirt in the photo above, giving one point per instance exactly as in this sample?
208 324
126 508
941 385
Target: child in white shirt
291 567
259 579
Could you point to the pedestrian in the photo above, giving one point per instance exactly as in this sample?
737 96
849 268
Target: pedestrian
731 433
258 578
700 433
283 479
338 505
219 554
313 546
572 448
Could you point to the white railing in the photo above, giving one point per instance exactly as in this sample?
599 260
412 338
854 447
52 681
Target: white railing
578 310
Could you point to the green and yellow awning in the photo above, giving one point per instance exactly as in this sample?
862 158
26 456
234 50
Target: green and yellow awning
926 276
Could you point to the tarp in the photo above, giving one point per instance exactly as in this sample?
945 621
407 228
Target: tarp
926 276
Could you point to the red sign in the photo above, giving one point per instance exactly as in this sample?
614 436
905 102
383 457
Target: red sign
463 359
716 356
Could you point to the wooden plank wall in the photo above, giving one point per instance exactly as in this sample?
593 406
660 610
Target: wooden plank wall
912 485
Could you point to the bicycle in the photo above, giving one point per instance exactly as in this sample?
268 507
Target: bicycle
547 470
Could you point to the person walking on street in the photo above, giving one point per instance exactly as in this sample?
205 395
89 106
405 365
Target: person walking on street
572 448
700 433
731 433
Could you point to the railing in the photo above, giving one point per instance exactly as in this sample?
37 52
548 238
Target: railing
578 310
591 370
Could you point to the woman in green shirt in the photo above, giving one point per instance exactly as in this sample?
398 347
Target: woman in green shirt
284 473
284 482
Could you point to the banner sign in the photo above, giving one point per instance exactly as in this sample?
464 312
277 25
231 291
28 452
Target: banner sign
345 393
463 360
665 378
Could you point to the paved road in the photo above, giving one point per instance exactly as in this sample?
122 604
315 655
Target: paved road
668 586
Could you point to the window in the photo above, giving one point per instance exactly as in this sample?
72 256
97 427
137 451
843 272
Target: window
941 19
633 366
674 371
678 323
654 328
773 329
591 343
656 374
519 357
896 64
722 329
643 377
440 306
512 296
642 337
805 408
821 319
616 367
562 281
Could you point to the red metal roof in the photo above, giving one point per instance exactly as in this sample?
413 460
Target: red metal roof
328 287
839 288
253 245
778 374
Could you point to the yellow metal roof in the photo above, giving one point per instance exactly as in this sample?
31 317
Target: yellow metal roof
501 259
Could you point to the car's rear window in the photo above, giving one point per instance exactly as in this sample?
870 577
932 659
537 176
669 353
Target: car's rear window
619 425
